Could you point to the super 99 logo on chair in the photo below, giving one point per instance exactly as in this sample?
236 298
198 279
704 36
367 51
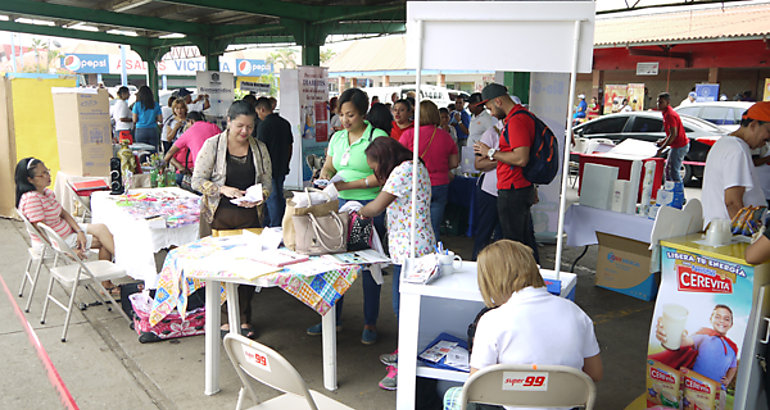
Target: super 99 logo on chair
525 381
256 358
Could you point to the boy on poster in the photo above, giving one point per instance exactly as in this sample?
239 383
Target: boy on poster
708 352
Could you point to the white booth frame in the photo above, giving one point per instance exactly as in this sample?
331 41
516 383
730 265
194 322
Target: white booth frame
529 36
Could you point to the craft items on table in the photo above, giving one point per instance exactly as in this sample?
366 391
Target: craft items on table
174 208
316 282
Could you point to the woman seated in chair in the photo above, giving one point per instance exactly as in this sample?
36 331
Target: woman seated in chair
38 204
529 325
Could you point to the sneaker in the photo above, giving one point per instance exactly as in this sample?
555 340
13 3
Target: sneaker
389 359
368 336
390 381
315 330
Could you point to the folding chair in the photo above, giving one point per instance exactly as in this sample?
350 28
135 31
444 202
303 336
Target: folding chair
255 360
76 273
35 261
530 386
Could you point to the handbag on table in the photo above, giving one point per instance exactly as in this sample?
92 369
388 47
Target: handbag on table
318 210
319 235
360 232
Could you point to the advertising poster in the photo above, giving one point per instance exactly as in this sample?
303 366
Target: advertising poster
313 94
698 326
635 93
220 87
613 96
766 97
706 92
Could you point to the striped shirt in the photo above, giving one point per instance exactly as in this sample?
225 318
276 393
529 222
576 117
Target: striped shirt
44 208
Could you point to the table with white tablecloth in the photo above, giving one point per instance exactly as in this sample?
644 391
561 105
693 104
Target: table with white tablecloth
66 196
582 222
138 239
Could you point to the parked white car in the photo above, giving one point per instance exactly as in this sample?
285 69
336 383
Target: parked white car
726 114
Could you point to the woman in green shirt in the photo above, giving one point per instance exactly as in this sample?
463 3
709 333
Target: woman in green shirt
346 158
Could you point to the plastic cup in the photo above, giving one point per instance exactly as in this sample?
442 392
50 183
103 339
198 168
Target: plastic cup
673 321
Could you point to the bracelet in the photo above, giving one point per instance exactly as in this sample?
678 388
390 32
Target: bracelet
366 181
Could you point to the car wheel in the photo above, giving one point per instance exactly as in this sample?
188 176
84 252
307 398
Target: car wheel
685 172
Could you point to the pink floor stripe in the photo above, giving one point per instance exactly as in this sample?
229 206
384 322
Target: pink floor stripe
53 375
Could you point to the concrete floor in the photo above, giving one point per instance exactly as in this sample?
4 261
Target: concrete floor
103 364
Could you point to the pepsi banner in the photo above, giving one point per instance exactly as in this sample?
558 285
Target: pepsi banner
253 68
86 63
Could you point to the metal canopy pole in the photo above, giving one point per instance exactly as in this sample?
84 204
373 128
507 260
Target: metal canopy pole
565 161
416 149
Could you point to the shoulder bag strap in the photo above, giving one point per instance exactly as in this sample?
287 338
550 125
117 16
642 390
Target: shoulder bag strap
428 147
320 233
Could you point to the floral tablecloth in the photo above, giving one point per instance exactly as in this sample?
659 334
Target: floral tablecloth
186 268
176 206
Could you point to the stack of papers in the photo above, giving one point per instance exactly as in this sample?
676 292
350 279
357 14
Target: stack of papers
366 256
253 194
421 270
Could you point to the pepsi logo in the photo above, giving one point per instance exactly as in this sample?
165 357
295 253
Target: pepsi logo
72 62
244 67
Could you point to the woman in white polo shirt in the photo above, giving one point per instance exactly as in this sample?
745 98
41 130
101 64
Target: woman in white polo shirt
529 325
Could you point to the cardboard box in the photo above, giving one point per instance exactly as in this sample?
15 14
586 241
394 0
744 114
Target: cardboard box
623 265
83 130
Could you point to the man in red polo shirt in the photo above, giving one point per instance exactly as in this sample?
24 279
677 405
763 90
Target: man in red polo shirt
516 195
675 138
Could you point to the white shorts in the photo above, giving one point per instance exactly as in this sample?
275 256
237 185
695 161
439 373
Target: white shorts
71 239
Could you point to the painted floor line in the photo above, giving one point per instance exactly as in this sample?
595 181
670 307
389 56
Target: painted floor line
53 375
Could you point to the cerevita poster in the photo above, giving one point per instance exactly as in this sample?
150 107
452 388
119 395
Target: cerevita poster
698 326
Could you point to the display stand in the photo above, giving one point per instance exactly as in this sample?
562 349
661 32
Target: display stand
550 37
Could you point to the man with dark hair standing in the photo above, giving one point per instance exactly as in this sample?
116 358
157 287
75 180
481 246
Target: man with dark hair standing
729 179
275 132
461 120
515 195
676 139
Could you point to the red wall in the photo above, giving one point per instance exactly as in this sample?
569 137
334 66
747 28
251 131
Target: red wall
728 54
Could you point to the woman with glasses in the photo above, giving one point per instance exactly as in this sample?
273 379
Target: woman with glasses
38 204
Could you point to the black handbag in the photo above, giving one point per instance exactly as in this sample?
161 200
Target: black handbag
359 233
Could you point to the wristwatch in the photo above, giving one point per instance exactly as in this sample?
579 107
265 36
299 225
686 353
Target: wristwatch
491 154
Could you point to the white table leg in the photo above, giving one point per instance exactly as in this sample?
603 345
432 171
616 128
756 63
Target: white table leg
212 337
408 329
329 343
233 308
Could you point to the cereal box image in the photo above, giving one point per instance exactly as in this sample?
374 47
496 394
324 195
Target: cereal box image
663 385
701 393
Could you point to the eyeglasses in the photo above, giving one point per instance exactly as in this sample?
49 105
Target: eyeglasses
47 172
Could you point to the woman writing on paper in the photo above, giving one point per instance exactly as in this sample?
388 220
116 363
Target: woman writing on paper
392 164
529 326
226 166
346 159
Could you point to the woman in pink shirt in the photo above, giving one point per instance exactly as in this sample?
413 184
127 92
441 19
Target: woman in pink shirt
439 153
186 148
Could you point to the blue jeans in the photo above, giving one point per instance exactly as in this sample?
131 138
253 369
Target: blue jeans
371 288
396 287
486 223
148 136
438 200
674 162
276 204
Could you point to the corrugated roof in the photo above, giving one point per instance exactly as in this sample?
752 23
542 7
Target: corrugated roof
383 53
734 22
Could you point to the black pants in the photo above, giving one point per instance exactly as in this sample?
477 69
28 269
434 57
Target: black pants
486 223
513 208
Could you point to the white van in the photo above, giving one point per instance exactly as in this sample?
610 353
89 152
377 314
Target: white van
442 96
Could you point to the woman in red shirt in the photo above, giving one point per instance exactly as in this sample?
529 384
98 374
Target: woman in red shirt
439 152
402 114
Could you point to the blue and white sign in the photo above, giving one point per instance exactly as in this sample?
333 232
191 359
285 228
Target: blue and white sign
252 68
706 92
86 63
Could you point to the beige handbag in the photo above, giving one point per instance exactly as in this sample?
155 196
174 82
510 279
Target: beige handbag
289 235
319 235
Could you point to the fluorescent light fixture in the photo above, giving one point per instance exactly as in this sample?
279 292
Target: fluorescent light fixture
172 35
122 33
3 17
83 27
36 22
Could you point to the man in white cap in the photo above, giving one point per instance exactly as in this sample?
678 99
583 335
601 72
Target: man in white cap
515 195
481 121
200 103
689 100
580 111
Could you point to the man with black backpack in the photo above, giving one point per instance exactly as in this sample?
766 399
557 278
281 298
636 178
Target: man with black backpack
519 165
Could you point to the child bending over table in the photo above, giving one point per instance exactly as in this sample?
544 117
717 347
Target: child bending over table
392 165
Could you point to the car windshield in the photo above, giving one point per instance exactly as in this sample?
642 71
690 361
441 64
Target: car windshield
703 125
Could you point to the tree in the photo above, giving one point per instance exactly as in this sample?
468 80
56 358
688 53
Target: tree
283 56
327 55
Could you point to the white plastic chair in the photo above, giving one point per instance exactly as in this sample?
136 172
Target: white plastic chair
37 259
253 360
530 386
77 272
